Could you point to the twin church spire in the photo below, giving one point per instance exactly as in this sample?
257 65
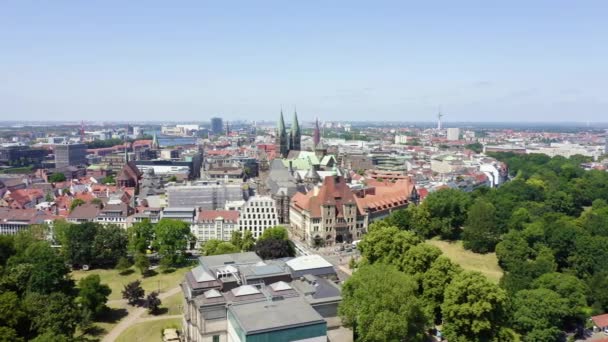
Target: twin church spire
288 141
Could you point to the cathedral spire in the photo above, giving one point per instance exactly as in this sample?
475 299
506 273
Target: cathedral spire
316 137
154 141
282 140
295 136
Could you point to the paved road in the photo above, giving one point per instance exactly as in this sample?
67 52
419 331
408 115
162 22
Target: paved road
134 317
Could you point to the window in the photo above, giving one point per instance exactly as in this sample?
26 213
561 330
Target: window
216 338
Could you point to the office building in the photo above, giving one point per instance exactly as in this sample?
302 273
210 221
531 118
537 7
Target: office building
217 125
214 225
258 214
453 134
70 155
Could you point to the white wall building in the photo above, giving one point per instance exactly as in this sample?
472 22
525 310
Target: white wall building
400 139
257 214
453 134
214 224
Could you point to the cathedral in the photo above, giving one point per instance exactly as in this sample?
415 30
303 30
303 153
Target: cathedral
288 142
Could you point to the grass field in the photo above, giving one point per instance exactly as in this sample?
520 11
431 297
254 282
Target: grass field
154 282
149 331
170 306
484 263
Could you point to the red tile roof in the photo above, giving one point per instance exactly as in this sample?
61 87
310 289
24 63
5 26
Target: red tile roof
600 321
333 192
210 215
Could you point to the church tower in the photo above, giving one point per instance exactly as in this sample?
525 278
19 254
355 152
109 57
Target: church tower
295 136
282 141
316 136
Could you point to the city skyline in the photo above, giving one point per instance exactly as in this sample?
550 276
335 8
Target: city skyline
389 61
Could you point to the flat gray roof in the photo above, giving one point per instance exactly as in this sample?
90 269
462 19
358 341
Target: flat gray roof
227 259
259 317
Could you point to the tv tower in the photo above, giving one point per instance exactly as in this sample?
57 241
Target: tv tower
439 116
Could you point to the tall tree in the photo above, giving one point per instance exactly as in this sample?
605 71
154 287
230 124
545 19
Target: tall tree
77 243
272 248
55 313
538 314
216 247
152 303
141 236
236 239
473 308
380 304
481 233
110 244
48 273
278 232
434 282
447 211
92 294
387 245
248 243
171 239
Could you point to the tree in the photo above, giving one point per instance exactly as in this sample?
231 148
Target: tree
133 292
152 303
512 251
418 259
380 304
447 211
108 180
142 263
48 273
57 177
248 243
171 239
572 289
272 248
75 203
55 313
387 245
277 232
7 248
77 242
216 247
140 236
9 335
473 308
598 284
538 314
92 294
481 232
11 313
434 282
123 265
236 239
110 244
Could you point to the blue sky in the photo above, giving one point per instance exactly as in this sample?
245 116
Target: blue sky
338 60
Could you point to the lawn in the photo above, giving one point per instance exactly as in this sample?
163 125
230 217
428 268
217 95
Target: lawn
154 282
149 331
484 263
171 305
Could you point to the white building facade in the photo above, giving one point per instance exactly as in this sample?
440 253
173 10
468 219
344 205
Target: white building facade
257 214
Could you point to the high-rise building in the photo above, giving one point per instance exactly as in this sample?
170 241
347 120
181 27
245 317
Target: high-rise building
70 155
217 125
453 134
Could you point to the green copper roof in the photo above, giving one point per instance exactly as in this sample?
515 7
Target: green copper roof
281 124
296 125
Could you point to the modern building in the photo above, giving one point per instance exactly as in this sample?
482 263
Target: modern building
258 214
215 224
185 214
70 155
21 155
240 297
453 134
217 125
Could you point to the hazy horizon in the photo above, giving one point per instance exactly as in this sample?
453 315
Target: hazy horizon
341 61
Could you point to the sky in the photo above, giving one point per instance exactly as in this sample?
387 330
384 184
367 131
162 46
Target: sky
336 60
